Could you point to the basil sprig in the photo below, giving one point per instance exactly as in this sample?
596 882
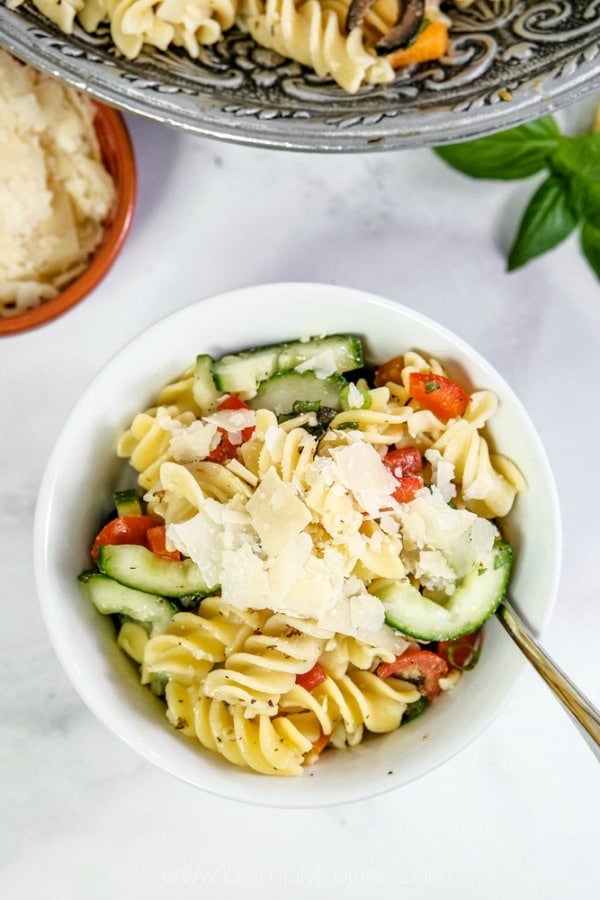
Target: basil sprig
567 198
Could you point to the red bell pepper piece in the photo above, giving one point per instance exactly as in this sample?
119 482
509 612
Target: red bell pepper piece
423 667
315 676
124 530
404 463
443 397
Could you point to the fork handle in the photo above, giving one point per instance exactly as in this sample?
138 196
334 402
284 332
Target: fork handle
584 714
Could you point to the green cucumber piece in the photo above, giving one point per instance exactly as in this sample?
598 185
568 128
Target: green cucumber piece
344 350
204 389
241 373
475 599
128 503
281 391
361 401
137 567
110 598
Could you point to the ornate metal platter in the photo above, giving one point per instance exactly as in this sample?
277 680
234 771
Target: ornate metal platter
508 62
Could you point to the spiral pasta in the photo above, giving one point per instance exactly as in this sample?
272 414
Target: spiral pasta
189 24
485 490
269 745
146 443
265 666
312 34
360 700
231 683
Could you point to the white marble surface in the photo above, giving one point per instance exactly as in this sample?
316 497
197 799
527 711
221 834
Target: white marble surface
516 814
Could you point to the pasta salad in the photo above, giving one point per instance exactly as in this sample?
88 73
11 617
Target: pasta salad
311 549
354 42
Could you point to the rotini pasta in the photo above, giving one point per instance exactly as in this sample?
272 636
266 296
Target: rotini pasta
325 35
300 521
311 33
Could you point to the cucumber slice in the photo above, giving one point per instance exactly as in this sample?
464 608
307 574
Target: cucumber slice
241 373
281 391
128 503
137 567
344 351
475 599
204 389
110 597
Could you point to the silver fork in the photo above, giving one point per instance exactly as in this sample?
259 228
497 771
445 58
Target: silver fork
583 713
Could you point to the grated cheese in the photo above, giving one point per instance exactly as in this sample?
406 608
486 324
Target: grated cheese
54 189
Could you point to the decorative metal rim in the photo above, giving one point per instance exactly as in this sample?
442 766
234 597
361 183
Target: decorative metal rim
380 120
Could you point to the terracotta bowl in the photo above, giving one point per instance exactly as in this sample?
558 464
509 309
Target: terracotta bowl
118 155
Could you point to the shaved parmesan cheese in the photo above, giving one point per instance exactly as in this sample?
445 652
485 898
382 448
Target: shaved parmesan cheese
286 569
244 581
205 537
234 421
323 364
355 398
193 443
276 513
360 470
307 548
445 542
366 611
442 474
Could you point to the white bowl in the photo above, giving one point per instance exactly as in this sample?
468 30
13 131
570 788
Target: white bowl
80 479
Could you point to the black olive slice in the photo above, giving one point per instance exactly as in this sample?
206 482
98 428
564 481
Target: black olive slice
356 12
410 19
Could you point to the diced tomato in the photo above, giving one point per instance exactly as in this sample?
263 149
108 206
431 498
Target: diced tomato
225 450
156 538
315 676
403 461
423 667
231 402
124 530
408 486
403 464
443 397
462 652
389 371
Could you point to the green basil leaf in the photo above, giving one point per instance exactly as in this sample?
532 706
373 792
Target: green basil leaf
590 244
547 220
584 197
577 156
516 153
